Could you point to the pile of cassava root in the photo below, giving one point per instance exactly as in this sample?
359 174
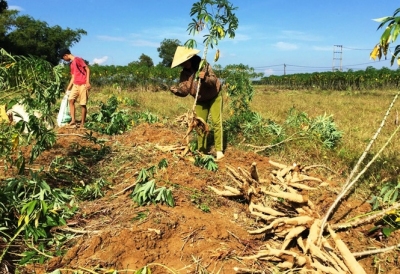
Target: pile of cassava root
288 217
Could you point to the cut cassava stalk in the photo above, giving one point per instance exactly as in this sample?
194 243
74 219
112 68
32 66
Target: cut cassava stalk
278 165
375 251
225 193
235 174
294 232
292 197
301 186
324 257
275 177
286 254
263 216
284 171
366 220
347 256
324 269
264 209
313 234
300 220
254 172
302 178
281 255
239 183
349 183
295 221
274 224
300 243
286 265
260 254
233 190
251 180
288 177
281 232
329 250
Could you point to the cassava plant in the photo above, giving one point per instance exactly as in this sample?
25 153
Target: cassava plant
217 17
389 36
29 205
240 91
36 84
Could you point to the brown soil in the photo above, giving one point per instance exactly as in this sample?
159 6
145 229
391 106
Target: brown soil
183 239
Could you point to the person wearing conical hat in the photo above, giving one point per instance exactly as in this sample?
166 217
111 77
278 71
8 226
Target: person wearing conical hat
209 100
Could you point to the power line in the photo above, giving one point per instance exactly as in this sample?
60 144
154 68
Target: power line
337 56
312 67
356 49
306 66
359 49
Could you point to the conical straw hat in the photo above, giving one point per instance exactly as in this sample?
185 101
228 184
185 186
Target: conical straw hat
183 54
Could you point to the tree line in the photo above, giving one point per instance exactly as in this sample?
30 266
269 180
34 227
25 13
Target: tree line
368 79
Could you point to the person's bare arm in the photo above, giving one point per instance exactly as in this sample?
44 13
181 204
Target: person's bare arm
71 82
88 86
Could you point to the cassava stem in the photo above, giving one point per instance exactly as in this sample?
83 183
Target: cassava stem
350 183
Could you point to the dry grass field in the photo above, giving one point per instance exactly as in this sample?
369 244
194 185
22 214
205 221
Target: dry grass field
207 233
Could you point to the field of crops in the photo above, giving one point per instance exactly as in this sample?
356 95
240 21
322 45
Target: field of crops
70 198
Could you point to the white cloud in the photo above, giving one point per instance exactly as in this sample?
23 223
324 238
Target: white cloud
286 46
18 8
110 38
100 61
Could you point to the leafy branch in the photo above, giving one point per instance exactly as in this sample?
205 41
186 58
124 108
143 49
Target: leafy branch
218 18
388 36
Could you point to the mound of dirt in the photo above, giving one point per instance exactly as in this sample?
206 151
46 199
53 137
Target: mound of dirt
203 233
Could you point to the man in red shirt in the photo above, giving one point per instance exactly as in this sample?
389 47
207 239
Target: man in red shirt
79 84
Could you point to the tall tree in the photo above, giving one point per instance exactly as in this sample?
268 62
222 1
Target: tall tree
145 60
23 35
166 51
3 5
7 18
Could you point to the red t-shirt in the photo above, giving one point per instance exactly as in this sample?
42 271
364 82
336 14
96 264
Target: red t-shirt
78 70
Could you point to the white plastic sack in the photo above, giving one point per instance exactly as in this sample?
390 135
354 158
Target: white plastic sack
18 112
64 116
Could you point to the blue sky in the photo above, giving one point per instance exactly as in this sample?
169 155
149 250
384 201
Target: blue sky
274 36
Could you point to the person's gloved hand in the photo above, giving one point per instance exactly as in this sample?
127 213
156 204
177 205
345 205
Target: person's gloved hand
173 89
